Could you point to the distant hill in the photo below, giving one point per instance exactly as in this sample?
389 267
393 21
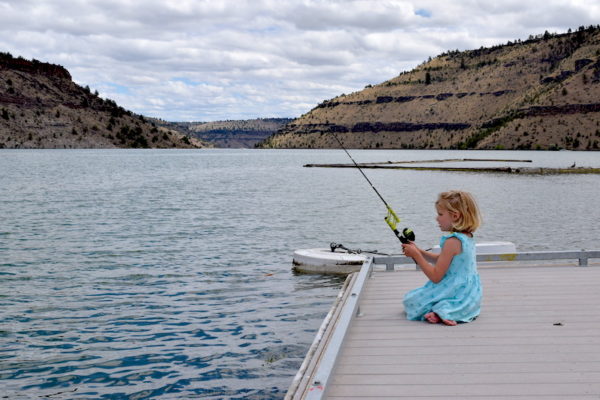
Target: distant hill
41 107
542 93
230 134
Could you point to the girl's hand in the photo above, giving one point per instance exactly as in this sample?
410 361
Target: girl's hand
410 249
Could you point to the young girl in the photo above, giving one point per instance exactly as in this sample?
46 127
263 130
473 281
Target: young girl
453 293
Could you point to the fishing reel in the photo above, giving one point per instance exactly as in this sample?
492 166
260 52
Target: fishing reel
406 236
392 220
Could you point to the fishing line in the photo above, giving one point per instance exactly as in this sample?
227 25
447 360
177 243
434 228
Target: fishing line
407 234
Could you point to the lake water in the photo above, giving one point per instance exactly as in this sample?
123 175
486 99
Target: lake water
131 274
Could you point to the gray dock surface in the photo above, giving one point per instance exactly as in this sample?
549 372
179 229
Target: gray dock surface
538 336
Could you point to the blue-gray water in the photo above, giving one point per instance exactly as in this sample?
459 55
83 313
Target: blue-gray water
167 273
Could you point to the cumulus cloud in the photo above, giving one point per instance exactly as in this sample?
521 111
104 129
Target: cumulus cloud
206 60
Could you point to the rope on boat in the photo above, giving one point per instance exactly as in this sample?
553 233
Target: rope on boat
334 246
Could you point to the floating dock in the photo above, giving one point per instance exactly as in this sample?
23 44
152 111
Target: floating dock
538 335
511 170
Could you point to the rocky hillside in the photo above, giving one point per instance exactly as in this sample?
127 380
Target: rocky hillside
542 93
41 107
230 134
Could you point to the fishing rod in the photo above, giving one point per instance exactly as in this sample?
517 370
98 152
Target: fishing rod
407 234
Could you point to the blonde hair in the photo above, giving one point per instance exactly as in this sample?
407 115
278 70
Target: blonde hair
465 205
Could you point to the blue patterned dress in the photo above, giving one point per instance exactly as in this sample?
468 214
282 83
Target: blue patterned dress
457 296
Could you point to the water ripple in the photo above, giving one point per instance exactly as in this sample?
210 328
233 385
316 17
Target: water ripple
166 274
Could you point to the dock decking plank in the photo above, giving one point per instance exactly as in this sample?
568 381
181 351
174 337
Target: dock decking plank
538 336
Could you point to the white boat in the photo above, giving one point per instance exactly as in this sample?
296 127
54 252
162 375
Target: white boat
326 261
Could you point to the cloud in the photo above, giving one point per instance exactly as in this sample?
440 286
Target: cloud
353 15
230 59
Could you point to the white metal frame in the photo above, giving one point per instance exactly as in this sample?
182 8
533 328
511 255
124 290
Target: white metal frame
581 255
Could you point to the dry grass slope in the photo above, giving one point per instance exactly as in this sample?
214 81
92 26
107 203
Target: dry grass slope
542 93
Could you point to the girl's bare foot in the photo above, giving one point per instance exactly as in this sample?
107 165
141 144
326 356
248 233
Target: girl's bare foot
432 318
449 322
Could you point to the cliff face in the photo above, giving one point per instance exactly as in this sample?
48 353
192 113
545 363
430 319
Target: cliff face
543 93
41 107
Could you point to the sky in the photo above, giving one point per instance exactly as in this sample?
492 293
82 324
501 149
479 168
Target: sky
209 60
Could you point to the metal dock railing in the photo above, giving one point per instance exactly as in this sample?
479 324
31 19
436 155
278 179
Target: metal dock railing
538 335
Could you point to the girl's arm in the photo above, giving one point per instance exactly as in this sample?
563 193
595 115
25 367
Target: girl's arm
429 256
435 272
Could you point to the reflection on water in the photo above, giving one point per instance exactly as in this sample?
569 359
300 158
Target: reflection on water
139 274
